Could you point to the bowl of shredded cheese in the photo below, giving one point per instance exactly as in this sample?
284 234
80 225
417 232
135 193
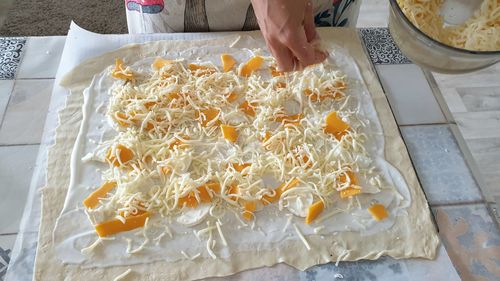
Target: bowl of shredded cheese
447 36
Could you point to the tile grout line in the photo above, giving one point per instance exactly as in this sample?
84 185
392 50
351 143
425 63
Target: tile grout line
438 95
37 78
461 203
15 80
425 124
7 105
476 174
469 159
19 144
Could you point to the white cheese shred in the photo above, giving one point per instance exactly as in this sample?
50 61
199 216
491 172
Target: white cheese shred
87 251
123 275
301 236
222 238
288 221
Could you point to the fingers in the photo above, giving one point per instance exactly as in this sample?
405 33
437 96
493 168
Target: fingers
297 42
309 25
283 56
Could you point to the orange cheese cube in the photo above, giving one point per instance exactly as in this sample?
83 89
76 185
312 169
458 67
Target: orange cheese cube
93 199
201 70
249 208
159 63
292 183
314 210
121 118
228 62
268 199
229 132
335 126
289 119
120 73
251 65
111 227
239 167
207 115
149 104
378 212
348 192
231 97
233 190
274 71
165 170
124 155
178 143
248 108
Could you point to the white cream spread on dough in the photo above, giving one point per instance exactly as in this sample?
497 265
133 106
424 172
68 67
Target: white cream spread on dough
209 227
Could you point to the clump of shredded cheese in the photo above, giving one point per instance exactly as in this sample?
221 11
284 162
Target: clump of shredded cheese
170 155
481 32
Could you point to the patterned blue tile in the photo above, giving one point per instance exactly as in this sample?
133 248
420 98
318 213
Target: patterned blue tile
22 257
10 56
381 47
4 261
440 165
6 245
472 240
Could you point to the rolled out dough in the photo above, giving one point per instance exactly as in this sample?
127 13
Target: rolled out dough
412 236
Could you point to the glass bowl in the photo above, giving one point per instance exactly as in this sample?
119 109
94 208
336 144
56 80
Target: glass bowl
431 54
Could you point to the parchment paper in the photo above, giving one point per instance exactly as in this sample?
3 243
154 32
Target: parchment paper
416 236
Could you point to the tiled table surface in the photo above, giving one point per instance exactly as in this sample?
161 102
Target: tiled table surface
467 228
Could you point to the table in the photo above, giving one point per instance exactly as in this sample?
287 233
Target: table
438 150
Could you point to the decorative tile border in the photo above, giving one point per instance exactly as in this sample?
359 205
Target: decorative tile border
380 46
10 56
4 262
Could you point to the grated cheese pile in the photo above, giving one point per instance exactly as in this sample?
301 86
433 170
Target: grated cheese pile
481 32
195 141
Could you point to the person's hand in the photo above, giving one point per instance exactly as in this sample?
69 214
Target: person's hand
289 30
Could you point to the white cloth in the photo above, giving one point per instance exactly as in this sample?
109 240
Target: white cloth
160 16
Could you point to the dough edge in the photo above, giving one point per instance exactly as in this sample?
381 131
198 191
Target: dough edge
412 236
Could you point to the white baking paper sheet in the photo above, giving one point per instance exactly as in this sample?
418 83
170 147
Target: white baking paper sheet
81 45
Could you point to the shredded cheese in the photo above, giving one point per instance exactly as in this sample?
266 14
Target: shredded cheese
171 151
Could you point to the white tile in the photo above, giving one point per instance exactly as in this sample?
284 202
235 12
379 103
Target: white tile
488 77
25 115
373 13
41 57
486 154
479 125
7 242
5 90
480 98
16 169
410 95
453 100
440 165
